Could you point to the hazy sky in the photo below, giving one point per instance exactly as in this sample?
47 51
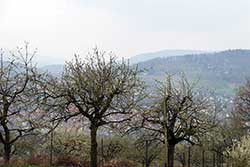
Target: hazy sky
60 28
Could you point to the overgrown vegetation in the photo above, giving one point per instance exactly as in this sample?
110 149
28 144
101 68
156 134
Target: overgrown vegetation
100 113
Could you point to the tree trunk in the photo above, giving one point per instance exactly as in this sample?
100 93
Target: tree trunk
146 154
203 157
222 161
93 149
171 150
7 144
102 152
218 159
214 159
184 159
189 156
51 147
7 152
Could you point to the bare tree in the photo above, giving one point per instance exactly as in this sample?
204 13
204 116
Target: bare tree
110 149
17 98
178 114
105 92
148 148
242 105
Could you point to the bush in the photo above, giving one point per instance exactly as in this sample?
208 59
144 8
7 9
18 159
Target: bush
239 154
70 161
120 164
38 160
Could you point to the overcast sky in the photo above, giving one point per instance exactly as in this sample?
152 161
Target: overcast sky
60 28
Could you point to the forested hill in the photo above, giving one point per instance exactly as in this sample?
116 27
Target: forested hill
220 71
223 71
163 53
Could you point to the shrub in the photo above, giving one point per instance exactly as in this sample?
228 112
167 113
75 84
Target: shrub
70 161
38 160
120 164
239 154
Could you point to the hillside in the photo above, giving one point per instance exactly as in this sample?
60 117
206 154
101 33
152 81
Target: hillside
223 71
162 54
220 71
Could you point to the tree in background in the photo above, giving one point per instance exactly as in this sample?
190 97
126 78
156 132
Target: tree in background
70 142
18 93
111 148
179 114
148 148
242 106
105 92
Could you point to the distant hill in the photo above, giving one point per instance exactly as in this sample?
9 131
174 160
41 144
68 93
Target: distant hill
54 69
220 71
223 71
162 54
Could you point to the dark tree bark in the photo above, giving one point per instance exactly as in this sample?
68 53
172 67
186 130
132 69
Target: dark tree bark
6 139
146 154
171 151
93 150
7 153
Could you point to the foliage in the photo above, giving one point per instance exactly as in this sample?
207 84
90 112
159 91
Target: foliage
242 105
239 153
43 117
70 144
